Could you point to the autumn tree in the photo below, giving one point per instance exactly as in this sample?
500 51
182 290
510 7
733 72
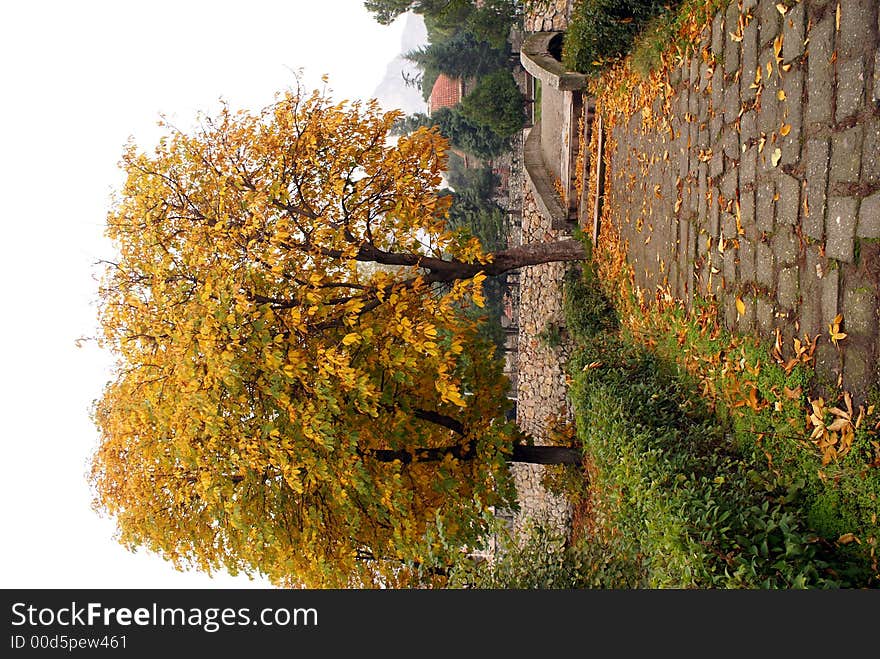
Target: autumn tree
297 393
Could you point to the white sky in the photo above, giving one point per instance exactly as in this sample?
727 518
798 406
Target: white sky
76 79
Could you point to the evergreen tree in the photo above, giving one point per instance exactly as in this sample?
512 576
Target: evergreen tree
496 103
462 56
468 135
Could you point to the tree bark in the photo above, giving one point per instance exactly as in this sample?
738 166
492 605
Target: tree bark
441 270
541 455
535 254
546 455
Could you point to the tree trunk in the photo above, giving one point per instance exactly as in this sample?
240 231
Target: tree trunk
535 254
503 261
546 455
541 455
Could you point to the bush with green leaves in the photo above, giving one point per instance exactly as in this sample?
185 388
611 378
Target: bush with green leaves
468 135
463 133
603 30
475 212
492 21
541 557
497 103
588 311
552 335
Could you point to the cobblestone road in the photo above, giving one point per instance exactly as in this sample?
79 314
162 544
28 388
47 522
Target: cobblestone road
758 177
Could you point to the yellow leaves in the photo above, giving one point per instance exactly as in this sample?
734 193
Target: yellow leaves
740 306
816 417
776 157
251 381
453 396
777 49
785 129
752 400
833 439
834 330
205 480
781 8
848 538
780 95
804 350
292 479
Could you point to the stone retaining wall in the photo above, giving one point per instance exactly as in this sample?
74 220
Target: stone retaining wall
546 15
542 393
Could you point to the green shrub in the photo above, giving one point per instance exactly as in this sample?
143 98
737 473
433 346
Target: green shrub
587 309
468 135
544 559
603 30
700 514
496 102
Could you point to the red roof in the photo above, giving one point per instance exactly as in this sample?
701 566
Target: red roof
445 93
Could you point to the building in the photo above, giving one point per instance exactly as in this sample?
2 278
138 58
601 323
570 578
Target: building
446 93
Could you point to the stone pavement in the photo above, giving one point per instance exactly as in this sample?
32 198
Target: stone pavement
757 177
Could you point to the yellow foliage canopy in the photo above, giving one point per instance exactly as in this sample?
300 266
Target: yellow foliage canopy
278 407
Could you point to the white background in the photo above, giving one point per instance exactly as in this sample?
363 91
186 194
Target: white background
76 80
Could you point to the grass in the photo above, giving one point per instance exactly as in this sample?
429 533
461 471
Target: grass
536 104
676 492
672 33
603 31
673 496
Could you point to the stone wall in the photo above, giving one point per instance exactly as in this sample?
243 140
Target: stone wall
547 15
541 388
541 380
